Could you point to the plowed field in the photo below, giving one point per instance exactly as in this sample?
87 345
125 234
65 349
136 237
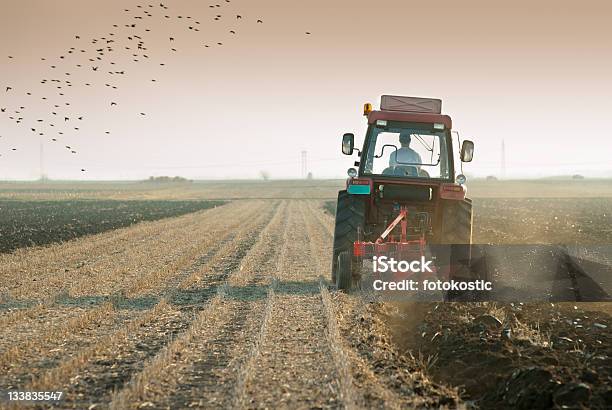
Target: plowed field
229 307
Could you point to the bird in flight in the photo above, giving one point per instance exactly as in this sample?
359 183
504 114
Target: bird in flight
113 103
260 21
8 89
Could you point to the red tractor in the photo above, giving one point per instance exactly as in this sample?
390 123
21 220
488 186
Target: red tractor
407 194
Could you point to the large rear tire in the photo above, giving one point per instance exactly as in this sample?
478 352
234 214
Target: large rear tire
457 222
350 218
457 231
467 261
344 273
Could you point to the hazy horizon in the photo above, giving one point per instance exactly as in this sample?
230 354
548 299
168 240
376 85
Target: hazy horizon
533 75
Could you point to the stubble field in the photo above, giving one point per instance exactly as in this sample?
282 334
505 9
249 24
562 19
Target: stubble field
229 306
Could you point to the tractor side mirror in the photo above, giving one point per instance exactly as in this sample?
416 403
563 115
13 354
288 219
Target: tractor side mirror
348 143
467 151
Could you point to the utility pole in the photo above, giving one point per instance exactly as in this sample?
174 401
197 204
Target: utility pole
503 160
42 163
304 170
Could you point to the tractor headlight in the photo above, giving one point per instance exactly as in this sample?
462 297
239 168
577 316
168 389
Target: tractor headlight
461 179
352 172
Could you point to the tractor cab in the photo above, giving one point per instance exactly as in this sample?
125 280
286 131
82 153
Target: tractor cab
407 188
408 138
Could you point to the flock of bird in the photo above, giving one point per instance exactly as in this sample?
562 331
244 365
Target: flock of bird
97 58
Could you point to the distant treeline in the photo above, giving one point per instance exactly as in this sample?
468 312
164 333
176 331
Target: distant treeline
168 179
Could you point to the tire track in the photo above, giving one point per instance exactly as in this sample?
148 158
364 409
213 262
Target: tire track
294 366
320 243
359 383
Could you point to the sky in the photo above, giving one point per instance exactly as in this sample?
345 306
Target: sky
534 74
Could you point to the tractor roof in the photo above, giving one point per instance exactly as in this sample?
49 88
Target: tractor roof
409 109
428 118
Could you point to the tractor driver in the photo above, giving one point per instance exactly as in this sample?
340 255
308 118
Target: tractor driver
404 155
